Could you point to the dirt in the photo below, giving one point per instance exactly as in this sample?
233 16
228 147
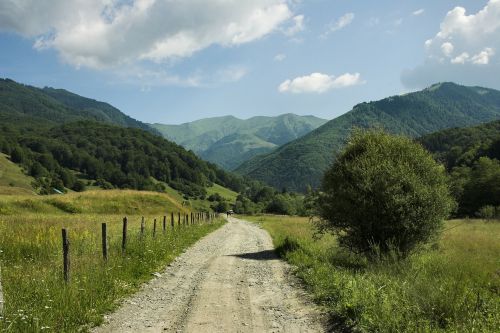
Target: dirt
229 281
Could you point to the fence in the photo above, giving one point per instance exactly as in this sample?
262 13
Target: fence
191 219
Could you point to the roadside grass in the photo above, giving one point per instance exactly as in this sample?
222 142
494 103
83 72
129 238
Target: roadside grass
36 297
450 286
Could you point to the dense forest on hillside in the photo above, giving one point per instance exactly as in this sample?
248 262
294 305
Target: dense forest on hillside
113 156
57 106
303 161
472 157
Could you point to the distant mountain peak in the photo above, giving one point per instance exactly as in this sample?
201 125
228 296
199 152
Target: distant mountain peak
229 141
301 162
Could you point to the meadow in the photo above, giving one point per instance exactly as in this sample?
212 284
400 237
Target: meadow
452 285
36 297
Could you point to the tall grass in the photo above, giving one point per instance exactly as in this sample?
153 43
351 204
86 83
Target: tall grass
36 297
450 286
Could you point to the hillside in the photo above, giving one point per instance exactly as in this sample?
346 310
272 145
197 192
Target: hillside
49 106
464 146
229 141
63 155
303 161
12 178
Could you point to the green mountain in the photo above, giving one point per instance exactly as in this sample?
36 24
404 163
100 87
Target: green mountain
302 162
229 141
63 140
56 106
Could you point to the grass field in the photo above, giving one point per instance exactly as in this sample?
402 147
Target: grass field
36 297
12 179
451 286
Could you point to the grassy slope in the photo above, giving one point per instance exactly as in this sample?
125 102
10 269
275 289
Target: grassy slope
452 286
12 178
30 239
223 192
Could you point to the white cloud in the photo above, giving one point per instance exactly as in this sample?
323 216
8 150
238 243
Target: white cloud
339 24
280 57
460 59
463 50
109 33
483 57
447 48
418 12
319 83
298 26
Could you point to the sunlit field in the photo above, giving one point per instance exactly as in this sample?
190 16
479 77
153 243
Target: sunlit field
450 286
36 296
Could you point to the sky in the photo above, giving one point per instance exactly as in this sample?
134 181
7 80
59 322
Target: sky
174 61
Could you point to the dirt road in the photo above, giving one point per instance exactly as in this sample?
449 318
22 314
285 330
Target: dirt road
230 281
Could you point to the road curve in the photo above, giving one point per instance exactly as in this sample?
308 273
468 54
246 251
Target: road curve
229 281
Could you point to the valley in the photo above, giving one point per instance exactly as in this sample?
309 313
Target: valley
257 166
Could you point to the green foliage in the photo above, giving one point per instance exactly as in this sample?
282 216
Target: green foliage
483 187
78 186
303 161
471 156
449 287
384 192
229 141
463 146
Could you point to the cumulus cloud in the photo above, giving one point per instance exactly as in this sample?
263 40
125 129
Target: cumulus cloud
447 48
319 83
463 50
338 24
108 33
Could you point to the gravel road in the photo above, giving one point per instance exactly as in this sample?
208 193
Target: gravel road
229 281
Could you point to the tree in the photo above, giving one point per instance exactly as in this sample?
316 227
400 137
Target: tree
383 192
483 186
79 186
17 155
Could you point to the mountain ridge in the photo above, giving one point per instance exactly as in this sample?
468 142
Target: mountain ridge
302 162
210 137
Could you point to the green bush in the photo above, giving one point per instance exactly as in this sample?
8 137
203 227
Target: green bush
384 192
487 212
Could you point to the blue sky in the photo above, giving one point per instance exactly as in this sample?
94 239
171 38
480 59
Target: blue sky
172 61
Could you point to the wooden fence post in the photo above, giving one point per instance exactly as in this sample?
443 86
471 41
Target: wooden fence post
179 219
164 223
66 262
143 226
172 222
124 234
1 294
154 228
104 242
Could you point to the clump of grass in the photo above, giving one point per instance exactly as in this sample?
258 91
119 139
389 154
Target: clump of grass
36 297
450 287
